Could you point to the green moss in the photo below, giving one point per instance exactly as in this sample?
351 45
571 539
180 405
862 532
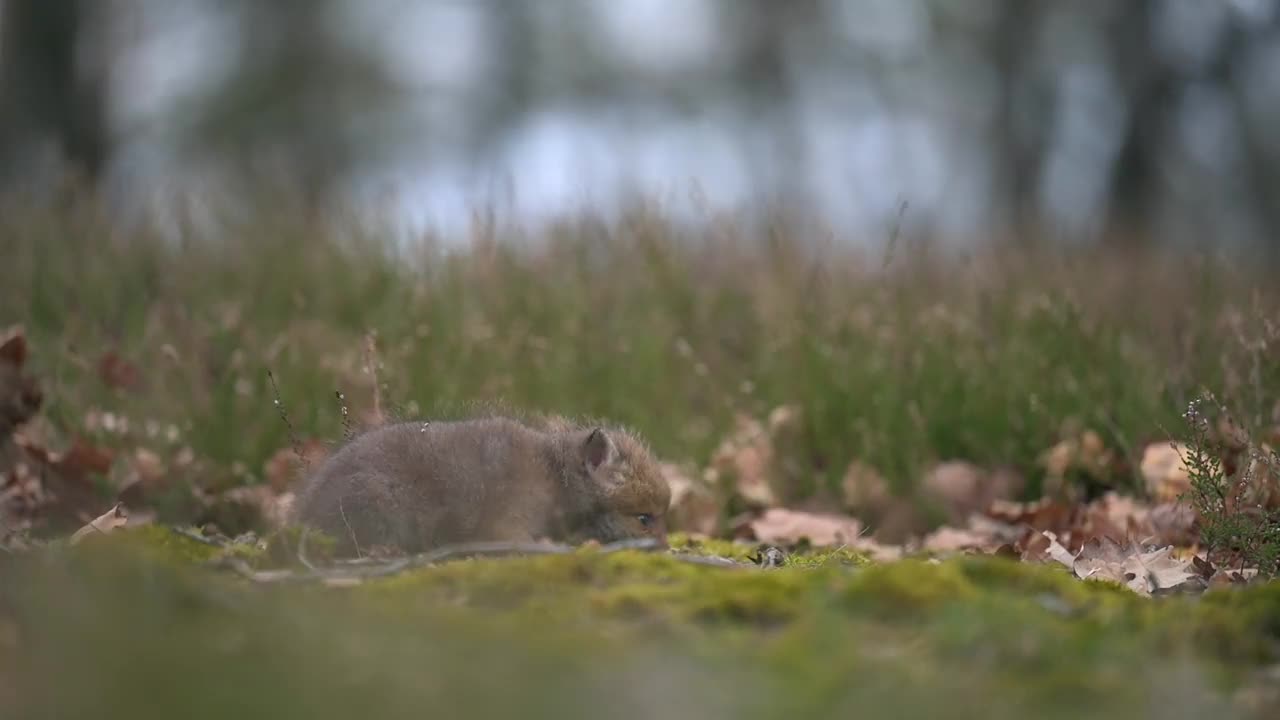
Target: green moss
908 587
684 543
645 633
163 543
822 557
1240 625
746 552
283 546
1056 585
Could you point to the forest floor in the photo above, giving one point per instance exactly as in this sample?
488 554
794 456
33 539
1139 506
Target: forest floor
909 482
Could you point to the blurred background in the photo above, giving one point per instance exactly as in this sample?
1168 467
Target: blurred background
1082 120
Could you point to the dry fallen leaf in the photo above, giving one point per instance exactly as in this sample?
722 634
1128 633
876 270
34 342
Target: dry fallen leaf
1084 452
957 486
1044 514
1164 471
745 459
949 539
285 467
1174 523
1057 552
780 526
1145 572
13 346
1155 571
149 466
117 372
82 459
116 517
20 394
693 507
248 507
865 491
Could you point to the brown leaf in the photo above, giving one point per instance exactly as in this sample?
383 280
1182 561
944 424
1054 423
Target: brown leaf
1060 554
948 539
1145 572
13 347
248 507
780 526
66 492
1164 471
1007 550
1083 452
1174 523
693 506
1157 571
116 517
1043 514
1034 547
744 459
117 372
1203 567
82 459
149 466
1113 516
957 486
865 491
148 478
284 467
1262 479
20 394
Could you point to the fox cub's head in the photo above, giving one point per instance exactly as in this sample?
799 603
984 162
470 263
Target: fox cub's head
628 494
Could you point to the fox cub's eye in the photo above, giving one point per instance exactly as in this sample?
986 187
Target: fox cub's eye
645 519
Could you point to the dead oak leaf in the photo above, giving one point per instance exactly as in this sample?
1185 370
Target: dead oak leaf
693 506
20 394
13 346
287 465
948 539
780 526
1055 551
117 372
1146 572
1158 571
114 518
83 458
744 460
1164 470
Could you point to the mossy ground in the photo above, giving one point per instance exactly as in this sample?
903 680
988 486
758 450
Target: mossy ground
133 626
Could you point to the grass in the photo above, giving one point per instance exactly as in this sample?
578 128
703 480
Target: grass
668 327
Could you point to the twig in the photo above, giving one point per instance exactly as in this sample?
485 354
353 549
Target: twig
293 435
197 537
713 561
347 433
342 511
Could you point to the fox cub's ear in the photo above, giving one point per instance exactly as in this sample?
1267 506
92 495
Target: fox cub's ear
598 449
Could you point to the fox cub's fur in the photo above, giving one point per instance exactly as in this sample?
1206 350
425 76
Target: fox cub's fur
419 485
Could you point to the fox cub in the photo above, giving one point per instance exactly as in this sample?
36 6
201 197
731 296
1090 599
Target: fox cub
416 485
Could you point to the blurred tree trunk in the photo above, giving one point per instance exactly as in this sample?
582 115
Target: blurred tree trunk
48 91
1019 139
1151 88
1258 149
764 29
